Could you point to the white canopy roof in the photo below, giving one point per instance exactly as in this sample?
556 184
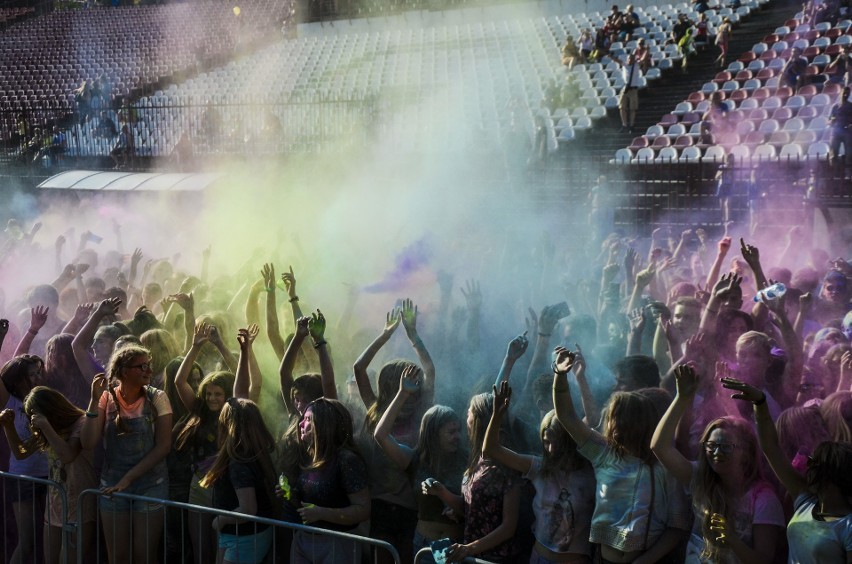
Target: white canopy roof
116 181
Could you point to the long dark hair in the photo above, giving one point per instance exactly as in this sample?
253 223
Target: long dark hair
15 374
429 454
59 412
332 431
201 412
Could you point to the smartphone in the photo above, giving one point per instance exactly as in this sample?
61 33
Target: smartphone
94 238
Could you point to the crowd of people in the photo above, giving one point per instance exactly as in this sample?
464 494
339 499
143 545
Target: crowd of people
674 411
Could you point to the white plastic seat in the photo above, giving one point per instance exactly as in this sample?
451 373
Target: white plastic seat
654 131
644 155
690 155
764 153
714 154
682 108
666 155
740 152
818 151
794 124
623 156
768 126
790 152
583 123
795 102
676 130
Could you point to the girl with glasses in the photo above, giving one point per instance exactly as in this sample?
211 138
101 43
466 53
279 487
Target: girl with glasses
738 517
135 422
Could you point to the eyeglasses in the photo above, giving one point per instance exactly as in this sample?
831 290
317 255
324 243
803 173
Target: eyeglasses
144 367
724 448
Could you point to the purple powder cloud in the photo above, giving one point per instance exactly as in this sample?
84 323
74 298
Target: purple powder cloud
410 260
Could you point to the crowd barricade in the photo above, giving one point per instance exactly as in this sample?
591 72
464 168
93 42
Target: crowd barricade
424 556
36 498
337 546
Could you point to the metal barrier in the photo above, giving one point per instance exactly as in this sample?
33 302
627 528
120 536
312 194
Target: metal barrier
156 551
419 558
31 519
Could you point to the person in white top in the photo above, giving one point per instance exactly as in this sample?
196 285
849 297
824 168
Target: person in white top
631 72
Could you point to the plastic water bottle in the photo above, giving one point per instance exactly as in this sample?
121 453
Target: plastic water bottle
771 293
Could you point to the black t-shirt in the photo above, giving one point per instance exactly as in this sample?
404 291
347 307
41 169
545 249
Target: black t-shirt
332 483
238 476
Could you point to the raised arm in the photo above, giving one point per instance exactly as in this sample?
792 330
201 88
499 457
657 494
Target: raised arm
81 314
393 319
93 427
316 328
247 383
792 346
215 339
792 481
399 454
663 441
185 392
547 320
409 323
751 255
252 307
273 331
38 317
643 280
187 303
562 402
516 349
288 362
723 288
723 248
289 280
491 447
587 399
637 319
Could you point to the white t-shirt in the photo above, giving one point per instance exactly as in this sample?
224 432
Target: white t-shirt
815 541
563 507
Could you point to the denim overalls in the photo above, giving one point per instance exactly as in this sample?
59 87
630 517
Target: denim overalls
123 450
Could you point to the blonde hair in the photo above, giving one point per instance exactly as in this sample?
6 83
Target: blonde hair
837 412
629 423
119 360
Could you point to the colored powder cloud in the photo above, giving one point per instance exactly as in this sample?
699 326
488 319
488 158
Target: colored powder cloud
409 261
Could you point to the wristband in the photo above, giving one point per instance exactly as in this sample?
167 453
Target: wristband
31 332
760 401
318 344
270 289
558 373
91 414
293 299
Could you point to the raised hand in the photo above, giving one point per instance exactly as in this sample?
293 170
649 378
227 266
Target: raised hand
686 381
302 326
38 317
184 301
644 277
410 380
473 295
60 242
83 311
80 269
517 347
202 334
392 319
289 280
246 336
316 327
551 315
99 386
727 283
637 320
695 346
563 360
502 397
724 245
39 421
409 316
531 322
745 392
268 274
750 253
136 257
579 360
806 302
610 271
629 261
